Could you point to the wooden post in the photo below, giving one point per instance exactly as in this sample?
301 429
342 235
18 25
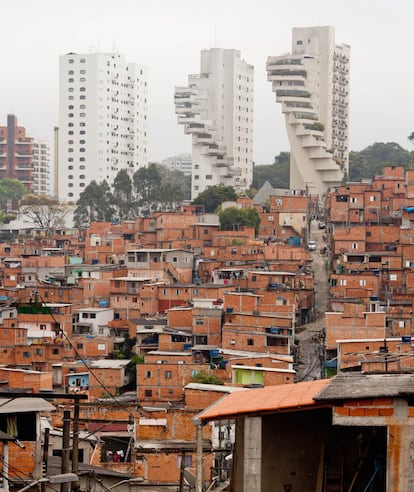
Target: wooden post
75 445
199 469
45 455
64 487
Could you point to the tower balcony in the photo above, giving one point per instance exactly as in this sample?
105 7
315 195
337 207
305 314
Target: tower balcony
216 151
275 62
194 128
233 171
186 119
184 109
204 138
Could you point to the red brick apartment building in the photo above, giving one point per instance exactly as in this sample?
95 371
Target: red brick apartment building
16 152
369 224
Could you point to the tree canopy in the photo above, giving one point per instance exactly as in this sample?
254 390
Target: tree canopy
95 204
371 160
11 189
277 173
151 188
362 164
47 213
206 378
147 182
214 196
233 218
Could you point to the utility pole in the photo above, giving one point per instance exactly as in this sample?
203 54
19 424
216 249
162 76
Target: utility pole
45 455
64 487
199 453
75 446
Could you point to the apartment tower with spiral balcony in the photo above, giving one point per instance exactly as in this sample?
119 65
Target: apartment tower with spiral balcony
216 109
312 85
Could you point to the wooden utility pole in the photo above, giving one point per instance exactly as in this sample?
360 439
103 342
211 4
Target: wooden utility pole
64 487
75 445
45 455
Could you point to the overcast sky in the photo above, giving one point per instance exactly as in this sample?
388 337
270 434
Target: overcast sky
167 36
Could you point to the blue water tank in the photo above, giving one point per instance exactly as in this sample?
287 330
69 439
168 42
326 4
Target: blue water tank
103 303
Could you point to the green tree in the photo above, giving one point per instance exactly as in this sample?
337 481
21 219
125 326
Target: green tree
233 218
11 190
175 185
214 196
123 198
95 204
171 192
47 213
277 173
147 181
205 378
371 160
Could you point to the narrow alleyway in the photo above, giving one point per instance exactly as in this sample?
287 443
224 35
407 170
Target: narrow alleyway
308 336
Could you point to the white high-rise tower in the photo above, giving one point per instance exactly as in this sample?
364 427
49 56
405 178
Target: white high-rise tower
217 110
102 122
312 84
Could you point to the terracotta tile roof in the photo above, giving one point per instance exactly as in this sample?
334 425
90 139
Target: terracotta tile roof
265 400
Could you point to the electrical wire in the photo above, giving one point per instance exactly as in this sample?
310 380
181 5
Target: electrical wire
84 362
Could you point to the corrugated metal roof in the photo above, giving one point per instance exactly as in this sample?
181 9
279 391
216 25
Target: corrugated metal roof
24 405
265 400
214 387
356 385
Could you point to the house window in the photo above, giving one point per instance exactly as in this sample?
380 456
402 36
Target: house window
79 345
401 324
168 374
188 461
393 276
354 245
362 282
38 351
55 351
148 393
43 327
148 374
250 341
175 259
342 282
26 354
199 321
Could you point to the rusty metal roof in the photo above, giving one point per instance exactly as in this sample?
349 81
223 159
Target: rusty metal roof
269 399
